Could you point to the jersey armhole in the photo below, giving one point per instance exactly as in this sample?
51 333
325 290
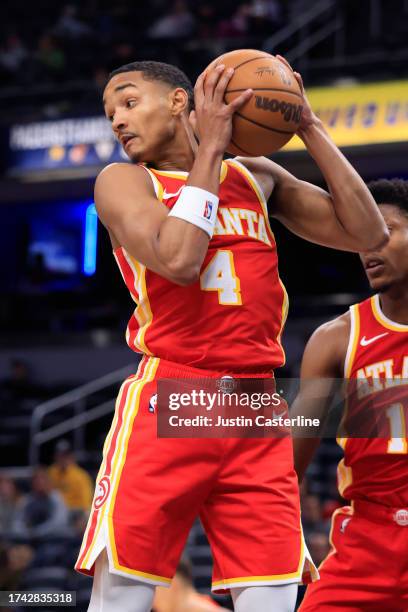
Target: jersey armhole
157 186
254 185
353 340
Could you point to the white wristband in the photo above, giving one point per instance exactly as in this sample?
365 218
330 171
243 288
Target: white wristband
197 206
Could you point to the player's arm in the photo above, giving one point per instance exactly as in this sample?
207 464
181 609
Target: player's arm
172 244
322 365
346 217
138 221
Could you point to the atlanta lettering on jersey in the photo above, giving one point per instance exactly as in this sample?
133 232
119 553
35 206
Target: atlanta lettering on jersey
378 376
241 222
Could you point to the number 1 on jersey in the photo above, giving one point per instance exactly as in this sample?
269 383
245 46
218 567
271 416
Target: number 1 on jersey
219 275
398 442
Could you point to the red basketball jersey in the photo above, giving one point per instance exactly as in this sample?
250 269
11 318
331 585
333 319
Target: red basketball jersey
232 319
376 468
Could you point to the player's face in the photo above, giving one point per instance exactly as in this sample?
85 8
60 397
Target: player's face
388 267
139 111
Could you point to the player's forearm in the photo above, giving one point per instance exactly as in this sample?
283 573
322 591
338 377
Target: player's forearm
206 169
181 248
304 450
354 206
181 245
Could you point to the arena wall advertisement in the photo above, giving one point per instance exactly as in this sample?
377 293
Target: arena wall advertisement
354 115
361 114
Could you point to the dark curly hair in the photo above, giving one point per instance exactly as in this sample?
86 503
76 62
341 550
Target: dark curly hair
159 71
390 191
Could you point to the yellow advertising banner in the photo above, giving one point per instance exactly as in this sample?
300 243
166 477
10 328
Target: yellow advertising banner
361 114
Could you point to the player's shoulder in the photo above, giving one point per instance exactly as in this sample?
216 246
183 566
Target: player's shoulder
334 329
327 346
118 182
256 164
118 170
263 165
264 171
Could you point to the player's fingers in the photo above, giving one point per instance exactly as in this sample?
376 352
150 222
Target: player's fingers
211 80
240 100
199 89
284 61
193 121
221 86
300 81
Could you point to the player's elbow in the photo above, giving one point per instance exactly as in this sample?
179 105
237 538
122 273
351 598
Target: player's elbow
183 273
374 241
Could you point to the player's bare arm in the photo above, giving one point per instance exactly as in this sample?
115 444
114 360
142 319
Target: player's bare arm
124 196
344 218
322 363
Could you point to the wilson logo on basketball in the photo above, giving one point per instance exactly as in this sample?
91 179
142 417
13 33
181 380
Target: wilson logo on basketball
290 112
264 70
102 492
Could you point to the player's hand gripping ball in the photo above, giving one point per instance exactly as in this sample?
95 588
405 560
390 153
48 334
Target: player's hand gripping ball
268 120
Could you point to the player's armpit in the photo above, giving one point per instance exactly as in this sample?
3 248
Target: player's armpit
127 206
322 365
260 168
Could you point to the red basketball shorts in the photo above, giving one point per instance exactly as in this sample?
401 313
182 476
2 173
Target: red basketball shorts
149 491
367 568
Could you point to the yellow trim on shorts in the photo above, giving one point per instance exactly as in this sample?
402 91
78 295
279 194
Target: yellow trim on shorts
131 410
275 577
106 449
133 572
228 581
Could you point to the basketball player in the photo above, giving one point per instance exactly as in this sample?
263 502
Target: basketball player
192 239
367 568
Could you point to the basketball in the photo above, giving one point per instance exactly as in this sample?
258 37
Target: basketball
270 118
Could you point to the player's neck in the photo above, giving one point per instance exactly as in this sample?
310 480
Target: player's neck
177 155
394 304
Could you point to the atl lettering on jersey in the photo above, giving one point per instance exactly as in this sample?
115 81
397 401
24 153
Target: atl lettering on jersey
375 464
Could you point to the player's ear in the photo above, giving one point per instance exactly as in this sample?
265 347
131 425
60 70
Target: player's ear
178 100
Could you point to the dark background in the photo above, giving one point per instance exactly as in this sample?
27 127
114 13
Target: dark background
61 328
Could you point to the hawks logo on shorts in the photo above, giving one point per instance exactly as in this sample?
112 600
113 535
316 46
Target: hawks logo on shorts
102 492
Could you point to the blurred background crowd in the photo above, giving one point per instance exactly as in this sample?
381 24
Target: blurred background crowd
52 50
62 318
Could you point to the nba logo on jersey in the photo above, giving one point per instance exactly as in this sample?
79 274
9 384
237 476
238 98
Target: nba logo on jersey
153 403
208 209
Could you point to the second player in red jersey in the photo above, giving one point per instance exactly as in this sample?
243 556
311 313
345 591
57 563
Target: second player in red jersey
367 568
192 239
